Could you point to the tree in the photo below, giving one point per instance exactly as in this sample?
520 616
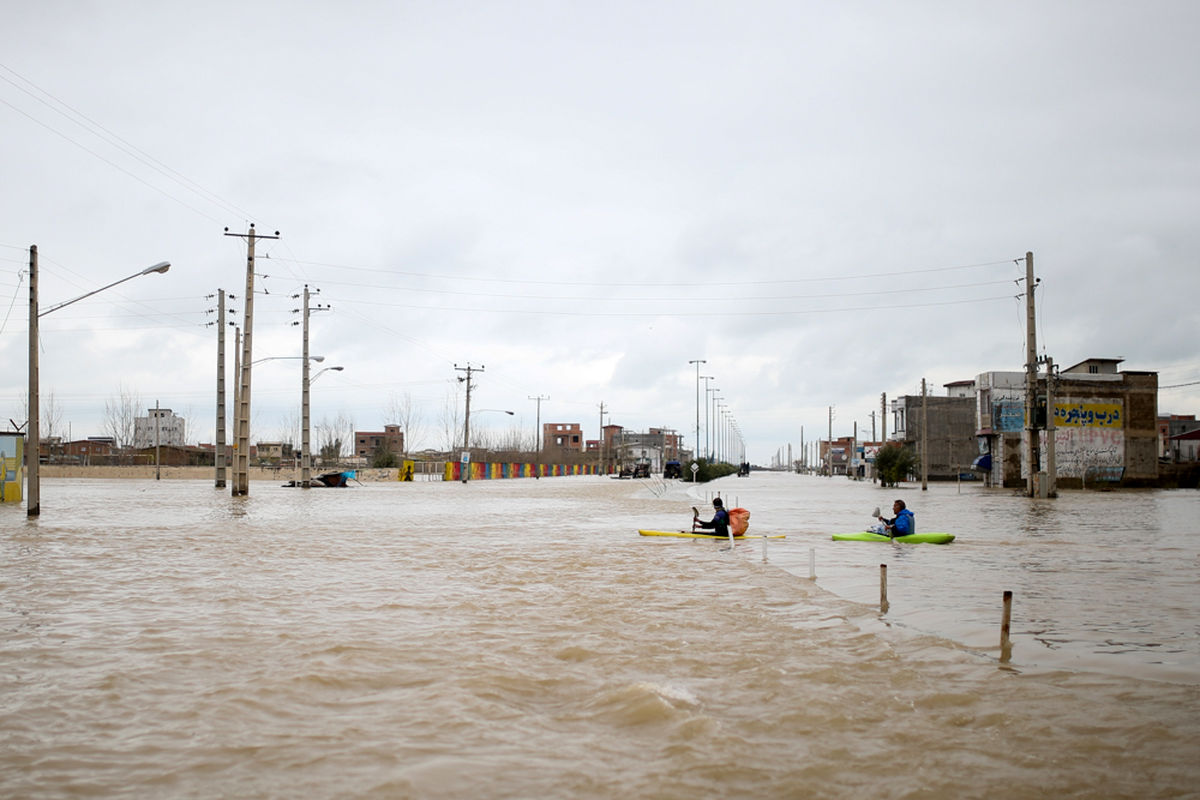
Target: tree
451 422
894 463
400 411
120 416
51 416
382 458
332 436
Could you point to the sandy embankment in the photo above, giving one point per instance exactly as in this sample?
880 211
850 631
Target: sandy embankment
194 473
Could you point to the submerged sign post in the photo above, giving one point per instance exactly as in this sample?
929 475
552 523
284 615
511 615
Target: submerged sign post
695 469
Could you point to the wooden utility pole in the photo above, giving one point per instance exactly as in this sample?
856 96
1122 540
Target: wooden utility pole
241 459
1030 379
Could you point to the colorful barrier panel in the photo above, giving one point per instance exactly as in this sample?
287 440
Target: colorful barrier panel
12 466
483 471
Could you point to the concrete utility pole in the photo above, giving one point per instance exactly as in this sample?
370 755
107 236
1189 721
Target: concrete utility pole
237 370
924 438
157 441
33 433
853 451
241 459
1030 379
537 436
601 449
883 418
1051 465
305 382
219 456
830 443
469 370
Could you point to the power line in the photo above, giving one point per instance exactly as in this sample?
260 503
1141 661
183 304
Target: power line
114 140
626 298
661 284
671 314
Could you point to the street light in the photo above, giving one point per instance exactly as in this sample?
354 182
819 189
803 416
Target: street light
306 435
317 359
696 449
319 374
33 502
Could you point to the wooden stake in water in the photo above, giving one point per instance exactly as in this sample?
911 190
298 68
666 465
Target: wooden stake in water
1005 625
883 601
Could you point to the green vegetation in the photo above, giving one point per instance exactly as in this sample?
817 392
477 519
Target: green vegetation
383 458
709 470
894 463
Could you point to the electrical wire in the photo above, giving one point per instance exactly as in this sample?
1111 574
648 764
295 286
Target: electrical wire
660 284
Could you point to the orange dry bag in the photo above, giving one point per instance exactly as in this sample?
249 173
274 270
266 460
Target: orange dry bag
739 520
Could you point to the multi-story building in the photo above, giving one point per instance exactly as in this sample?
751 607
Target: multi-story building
1171 426
950 439
562 437
389 440
160 427
653 448
1105 425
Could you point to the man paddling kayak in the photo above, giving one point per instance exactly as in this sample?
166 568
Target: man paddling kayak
719 524
903 524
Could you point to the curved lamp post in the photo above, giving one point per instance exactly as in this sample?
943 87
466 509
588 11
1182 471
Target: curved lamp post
305 435
33 500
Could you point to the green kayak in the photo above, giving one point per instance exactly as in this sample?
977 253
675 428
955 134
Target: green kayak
916 538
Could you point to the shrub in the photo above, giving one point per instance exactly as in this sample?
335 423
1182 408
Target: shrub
893 463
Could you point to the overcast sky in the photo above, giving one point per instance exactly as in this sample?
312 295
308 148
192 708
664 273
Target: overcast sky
823 201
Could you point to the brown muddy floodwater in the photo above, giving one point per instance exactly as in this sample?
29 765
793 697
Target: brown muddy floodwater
518 639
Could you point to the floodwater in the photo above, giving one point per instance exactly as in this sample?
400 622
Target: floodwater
516 639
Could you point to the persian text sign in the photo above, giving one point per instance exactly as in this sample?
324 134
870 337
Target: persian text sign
1008 416
1088 415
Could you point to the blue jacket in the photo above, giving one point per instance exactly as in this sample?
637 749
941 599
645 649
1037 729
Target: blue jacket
719 524
904 524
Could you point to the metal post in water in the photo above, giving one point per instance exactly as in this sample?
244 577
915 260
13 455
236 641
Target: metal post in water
812 563
1005 624
883 601
764 541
